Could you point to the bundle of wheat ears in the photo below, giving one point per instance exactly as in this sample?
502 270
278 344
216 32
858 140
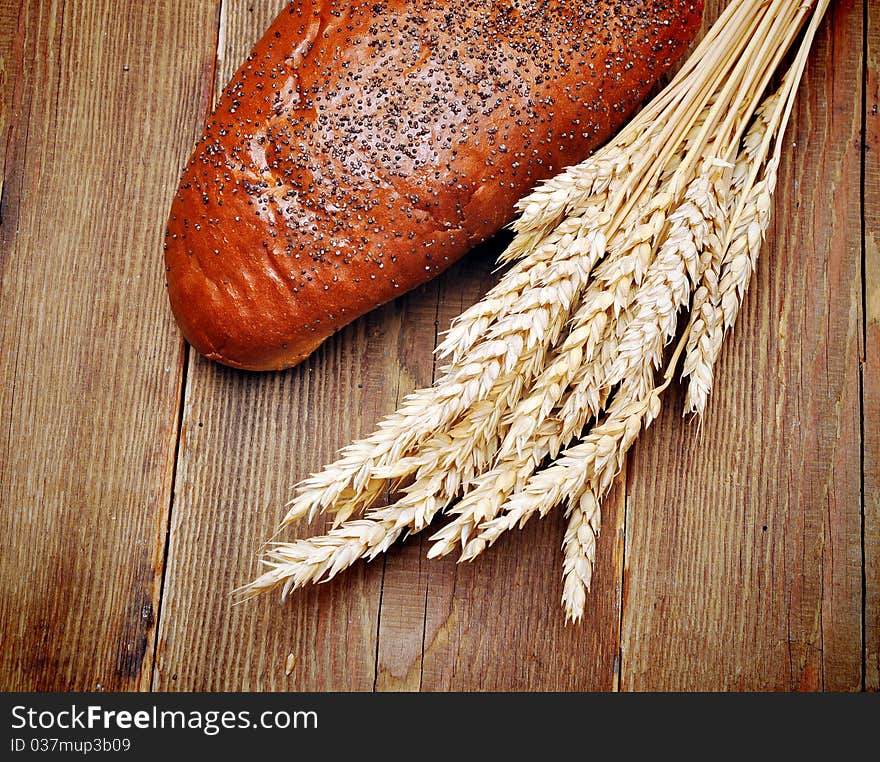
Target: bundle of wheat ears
551 377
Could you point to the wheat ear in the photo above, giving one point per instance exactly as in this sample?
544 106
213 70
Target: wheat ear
579 553
716 312
349 483
533 432
657 303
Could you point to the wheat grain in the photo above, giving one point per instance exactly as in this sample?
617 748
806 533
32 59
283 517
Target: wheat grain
576 237
665 291
533 433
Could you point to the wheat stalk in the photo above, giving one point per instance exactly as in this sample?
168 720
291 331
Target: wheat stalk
532 435
536 434
726 290
668 216
575 234
717 306
665 291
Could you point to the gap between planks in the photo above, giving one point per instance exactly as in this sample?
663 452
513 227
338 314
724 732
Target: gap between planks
870 354
184 375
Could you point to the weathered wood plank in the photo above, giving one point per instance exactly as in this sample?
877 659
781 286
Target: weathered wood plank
743 557
713 599
90 365
246 439
497 624
871 363
10 12
359 375
404 579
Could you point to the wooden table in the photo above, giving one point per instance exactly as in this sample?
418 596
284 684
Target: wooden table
139 480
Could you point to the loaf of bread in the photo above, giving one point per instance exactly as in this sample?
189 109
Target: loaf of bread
363 147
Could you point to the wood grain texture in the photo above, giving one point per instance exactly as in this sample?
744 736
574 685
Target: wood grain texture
9 19
245 439
871 356
496 623
493 624
89 358
739 553
400 635
743 557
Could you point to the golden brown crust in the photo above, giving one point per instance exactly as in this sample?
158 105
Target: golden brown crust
363 147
